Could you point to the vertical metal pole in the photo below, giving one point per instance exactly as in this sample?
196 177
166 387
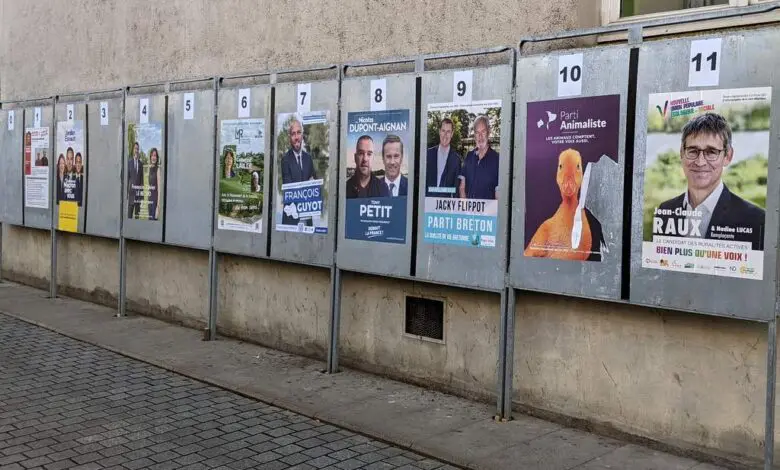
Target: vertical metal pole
335 316
510 353
122 214
52 202
2 227
771 379
502 338
213 299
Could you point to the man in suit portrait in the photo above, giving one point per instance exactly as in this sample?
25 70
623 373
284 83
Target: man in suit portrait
708 209
443 164
135 182
363 183
297 166
393 158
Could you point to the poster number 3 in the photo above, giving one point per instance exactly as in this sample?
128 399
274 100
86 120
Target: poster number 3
705 60
103 113
378 95
570 75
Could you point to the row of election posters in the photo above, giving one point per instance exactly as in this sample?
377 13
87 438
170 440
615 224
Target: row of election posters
69 171
705 177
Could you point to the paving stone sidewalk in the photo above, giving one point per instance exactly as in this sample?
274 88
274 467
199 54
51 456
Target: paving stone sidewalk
67 403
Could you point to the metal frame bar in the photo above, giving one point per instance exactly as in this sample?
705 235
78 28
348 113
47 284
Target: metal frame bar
122 310
771 382
52 204
211 331
335 272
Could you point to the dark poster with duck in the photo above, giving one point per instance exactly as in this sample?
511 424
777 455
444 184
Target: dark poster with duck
570 183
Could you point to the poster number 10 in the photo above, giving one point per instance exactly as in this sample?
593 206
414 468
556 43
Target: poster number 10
378 95
304 98
570 75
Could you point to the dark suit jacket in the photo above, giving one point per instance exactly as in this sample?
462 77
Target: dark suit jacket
403 187
730 211
292 173
134 177
449 178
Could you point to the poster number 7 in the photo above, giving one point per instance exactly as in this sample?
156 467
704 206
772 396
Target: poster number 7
303 98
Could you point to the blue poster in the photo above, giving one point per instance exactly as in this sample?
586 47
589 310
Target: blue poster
377 184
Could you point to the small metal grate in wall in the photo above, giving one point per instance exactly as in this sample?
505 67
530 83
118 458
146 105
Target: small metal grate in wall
425 317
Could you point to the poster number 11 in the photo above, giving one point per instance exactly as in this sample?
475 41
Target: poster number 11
704 62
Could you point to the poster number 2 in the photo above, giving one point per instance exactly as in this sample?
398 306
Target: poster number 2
378 95
304 97
244 102
144 110
69 112
704 64
570 75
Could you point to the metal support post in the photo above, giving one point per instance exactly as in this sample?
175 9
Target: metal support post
2 226
506 354
771 379
211 333
502 339
52 201
335 319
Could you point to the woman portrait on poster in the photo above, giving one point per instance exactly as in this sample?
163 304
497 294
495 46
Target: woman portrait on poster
229 161
255 182
61 175
154 187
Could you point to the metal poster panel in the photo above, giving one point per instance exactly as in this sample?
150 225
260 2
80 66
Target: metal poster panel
305 162
190 169
242 149
567 221
463 204
145 156
11 198
38 166
70 170
705 189
377 174
104 140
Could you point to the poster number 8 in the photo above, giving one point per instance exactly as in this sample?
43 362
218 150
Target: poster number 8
378 96
244 102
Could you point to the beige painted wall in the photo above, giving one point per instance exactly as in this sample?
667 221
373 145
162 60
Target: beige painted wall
98 44
284 306
88 268
372 335
680 378
27 255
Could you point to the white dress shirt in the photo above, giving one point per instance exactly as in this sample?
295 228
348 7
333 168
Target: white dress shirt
393 185
707 207
441 162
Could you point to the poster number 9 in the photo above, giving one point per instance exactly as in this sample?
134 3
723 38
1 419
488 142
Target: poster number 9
461 86
378 95
244 102
304 97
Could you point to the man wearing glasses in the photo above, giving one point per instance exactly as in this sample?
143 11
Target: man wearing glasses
708 209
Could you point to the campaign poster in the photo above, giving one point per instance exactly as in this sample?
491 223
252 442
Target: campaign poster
377 167
241 169
36 167
303 143
70 173
462 173
568 195
145 171
705 182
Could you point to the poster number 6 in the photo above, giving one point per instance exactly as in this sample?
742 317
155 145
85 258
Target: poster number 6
304 97
244 102
378 95
570 75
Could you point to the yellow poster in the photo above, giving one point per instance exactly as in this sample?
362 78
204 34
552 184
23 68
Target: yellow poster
69 216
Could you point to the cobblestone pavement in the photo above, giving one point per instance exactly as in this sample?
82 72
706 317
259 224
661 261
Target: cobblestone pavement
66 404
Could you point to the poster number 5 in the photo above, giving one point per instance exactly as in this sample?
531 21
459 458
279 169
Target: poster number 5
704 64
244 102
570 75
143 109
189 105
378 95
461 86
304 97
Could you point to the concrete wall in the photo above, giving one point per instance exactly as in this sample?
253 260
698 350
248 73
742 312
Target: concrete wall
687 380
684 379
